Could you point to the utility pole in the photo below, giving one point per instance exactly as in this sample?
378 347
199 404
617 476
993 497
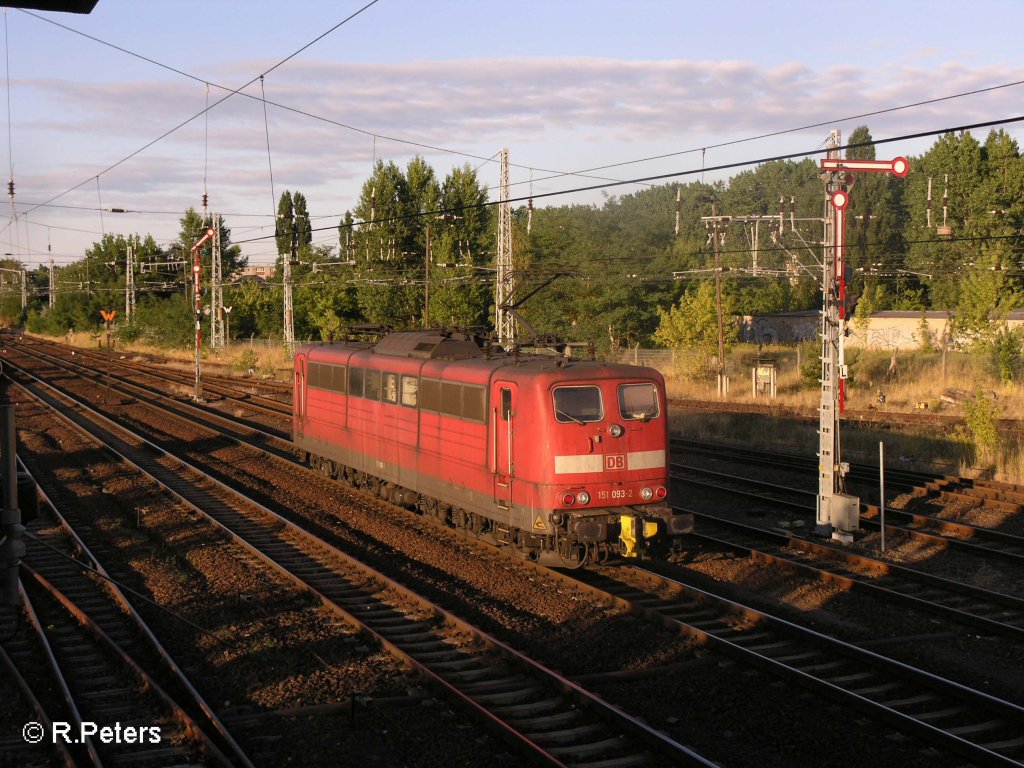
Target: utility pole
679 199
723 387
829 467
714 218
24 289
426 283
505 323
52 286
197 273
289 323
129 284
216 288
12 531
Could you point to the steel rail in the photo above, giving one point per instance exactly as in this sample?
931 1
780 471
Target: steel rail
883 688
170 666
989 611
33 701
85 743
148 684
1004 496
983 540
210 383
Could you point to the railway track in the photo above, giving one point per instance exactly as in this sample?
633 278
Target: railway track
982 609
922 733
961 536
553 720
981 728
1006 497
64 565
218 390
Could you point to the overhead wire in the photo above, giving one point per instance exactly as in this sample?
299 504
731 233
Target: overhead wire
674 174
270 165
232 92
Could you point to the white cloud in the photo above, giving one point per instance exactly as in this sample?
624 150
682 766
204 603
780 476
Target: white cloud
561 107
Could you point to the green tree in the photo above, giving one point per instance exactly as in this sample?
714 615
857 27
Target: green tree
10 292
461 236
193 227
692 326
390 246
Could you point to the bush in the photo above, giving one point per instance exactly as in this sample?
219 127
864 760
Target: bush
982 413
1005 362
245 362
810 368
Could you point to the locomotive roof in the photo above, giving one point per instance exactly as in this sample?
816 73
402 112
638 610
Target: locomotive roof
466 350
429 345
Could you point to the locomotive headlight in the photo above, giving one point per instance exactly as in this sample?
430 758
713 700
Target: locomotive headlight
646 494
583 497
568 499
616 430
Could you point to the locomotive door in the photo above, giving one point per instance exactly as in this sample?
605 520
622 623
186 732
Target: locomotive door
503 414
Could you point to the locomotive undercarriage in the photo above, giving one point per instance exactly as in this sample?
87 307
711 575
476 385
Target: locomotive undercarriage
578 537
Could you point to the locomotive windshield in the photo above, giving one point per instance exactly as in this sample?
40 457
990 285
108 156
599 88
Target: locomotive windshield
638 402
578 404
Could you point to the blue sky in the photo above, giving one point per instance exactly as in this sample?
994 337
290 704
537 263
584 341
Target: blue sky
564 84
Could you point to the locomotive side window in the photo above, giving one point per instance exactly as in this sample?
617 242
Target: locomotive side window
578 404
430 395
451 398
390 388
312 374
355 381
410 390
371 384
474 402
338 378
638 402
506 404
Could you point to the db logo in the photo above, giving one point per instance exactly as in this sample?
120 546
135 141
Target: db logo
614 461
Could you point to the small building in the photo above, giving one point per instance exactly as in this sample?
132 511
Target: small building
783 328
890 329
260 272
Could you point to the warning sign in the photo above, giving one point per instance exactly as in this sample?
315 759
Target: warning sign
538 524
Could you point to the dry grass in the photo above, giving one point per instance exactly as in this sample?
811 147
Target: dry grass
917 386
269 361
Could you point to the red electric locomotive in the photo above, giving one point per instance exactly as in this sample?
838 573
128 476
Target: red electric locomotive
564 459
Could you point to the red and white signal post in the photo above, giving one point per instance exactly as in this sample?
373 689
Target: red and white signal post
197 272
838 514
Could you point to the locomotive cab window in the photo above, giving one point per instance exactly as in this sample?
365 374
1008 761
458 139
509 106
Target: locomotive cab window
578 404
638 402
